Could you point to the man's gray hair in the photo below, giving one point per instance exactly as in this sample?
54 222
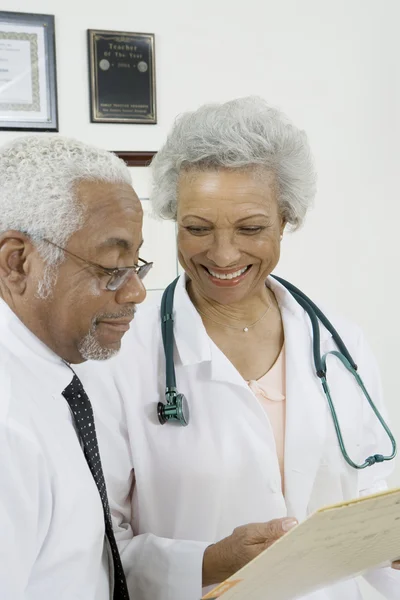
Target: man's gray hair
38 175
241 134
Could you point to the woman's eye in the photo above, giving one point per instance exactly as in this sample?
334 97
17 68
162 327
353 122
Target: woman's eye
251 230
198 230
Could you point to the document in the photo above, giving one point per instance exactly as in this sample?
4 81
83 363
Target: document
15 71
23 72
335 543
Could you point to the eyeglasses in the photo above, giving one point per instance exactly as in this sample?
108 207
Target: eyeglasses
118 276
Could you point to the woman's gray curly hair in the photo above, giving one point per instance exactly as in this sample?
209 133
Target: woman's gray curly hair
240 134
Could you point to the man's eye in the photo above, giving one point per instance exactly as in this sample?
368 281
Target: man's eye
102 273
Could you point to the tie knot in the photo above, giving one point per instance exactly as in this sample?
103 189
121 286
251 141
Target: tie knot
74 392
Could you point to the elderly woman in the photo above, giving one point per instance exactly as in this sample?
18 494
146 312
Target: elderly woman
261 443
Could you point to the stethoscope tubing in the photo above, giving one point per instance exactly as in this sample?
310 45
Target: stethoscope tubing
172 396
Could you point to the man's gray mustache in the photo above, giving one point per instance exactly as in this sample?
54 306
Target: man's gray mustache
122 314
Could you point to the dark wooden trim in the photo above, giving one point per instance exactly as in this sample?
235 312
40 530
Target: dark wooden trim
135 159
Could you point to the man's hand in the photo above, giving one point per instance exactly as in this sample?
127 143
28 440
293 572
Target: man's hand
396 565
229 555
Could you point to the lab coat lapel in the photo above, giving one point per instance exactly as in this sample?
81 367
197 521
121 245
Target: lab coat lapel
305 412
223 370
198 347
191 339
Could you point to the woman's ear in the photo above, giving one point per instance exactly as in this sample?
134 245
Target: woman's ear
283 225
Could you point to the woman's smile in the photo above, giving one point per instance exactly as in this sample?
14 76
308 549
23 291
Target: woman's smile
227 277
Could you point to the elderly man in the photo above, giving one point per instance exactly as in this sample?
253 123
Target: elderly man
70 277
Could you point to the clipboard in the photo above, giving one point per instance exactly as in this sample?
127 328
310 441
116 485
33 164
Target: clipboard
335 543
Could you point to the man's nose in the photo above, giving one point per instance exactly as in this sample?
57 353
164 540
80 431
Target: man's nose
132 292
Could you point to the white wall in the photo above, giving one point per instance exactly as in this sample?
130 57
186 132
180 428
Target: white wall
333 67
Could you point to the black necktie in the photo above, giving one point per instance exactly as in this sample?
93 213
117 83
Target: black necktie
84 421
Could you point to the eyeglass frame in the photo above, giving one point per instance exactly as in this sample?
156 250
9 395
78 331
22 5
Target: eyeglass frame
112 272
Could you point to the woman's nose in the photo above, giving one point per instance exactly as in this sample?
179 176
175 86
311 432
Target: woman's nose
224 252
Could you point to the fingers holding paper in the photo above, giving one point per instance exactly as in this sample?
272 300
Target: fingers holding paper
232 553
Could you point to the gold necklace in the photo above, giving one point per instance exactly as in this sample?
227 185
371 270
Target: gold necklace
245 329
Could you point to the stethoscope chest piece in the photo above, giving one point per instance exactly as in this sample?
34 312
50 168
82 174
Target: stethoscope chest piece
175 410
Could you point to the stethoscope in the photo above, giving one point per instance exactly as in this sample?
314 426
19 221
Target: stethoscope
176 409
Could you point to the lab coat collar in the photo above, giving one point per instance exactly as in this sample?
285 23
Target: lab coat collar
192 342
32 352
191 339
287 303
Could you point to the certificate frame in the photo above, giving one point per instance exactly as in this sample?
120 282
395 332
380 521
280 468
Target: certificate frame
28 98
122 77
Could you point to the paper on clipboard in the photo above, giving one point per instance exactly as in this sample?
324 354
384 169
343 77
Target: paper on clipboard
335 543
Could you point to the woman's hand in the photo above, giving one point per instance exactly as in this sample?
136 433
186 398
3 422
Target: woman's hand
223 559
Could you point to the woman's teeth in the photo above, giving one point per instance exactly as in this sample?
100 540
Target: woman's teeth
227 275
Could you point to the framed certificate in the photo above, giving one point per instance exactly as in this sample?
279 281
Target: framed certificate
122 77
28 89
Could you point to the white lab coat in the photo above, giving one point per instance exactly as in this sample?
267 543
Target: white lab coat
195 484
51 516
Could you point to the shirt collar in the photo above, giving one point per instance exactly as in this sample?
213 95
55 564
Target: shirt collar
31 351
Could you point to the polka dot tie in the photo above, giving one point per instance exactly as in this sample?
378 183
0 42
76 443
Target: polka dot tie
84 421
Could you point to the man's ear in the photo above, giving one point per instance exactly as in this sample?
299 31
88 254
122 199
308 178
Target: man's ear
15 260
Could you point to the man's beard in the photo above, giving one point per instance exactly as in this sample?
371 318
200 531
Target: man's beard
90 347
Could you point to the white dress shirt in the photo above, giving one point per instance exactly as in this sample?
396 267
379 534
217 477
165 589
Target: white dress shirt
51 517
193 485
